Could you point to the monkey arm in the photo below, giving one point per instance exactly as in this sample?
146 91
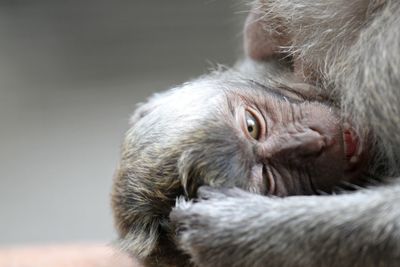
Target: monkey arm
231 227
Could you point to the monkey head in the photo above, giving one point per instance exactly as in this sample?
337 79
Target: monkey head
223 130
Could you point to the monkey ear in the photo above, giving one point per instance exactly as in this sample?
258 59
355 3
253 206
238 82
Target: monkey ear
262 40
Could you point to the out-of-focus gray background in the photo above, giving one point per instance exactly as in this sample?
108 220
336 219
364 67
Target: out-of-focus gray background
70 75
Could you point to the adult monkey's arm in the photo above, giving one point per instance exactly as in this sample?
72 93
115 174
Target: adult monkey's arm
353 47
236 228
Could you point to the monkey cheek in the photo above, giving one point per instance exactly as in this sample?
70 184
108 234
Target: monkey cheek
258 182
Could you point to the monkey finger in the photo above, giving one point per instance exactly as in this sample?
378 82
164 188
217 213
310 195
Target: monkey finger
185 217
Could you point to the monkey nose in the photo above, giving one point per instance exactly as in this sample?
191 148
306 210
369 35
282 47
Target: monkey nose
311 144
297 145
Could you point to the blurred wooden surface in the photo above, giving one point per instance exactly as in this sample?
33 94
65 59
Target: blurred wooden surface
73 255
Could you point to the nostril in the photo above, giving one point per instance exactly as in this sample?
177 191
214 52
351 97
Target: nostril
312 144
293 145
314 149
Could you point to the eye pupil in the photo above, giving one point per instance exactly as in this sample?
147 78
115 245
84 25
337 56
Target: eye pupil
252 125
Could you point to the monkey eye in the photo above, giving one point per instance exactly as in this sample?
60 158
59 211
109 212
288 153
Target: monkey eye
252 125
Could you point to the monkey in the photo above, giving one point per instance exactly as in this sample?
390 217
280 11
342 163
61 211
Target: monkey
351 51
213 131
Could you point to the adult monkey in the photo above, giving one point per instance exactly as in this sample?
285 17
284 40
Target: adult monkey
353 47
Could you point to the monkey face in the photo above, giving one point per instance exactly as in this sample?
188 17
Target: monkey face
298 146
275 142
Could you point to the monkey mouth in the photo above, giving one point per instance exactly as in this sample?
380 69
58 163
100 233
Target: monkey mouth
350 143
352 148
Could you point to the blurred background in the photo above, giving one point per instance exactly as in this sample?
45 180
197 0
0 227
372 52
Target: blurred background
71 73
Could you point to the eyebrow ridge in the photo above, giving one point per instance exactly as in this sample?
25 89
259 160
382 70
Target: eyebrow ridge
278 94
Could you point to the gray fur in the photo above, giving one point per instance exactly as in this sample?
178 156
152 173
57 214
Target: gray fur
354 47
238 229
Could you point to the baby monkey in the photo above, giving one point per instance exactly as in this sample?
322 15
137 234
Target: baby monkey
267 134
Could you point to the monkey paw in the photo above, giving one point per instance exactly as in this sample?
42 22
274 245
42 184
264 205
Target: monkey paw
208 227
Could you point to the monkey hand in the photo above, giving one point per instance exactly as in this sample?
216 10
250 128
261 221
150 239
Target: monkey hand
208 227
